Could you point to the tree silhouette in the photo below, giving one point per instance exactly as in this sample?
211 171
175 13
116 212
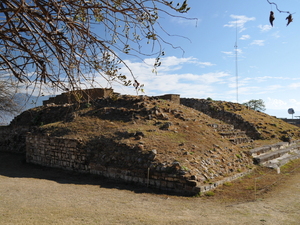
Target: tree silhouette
9 103
53 42
256 104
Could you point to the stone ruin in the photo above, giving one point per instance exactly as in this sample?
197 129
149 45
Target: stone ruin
79 95
92 94
68 154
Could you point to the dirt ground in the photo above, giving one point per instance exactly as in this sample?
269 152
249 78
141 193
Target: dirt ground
31 194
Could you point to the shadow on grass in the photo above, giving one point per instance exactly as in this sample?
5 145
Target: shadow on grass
14 165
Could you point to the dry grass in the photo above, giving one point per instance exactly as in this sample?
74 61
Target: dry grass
257 184
271 128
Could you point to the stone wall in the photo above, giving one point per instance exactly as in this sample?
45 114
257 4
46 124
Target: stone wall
12 138
68 154
56 152
120 163
79 95
171 97
209 109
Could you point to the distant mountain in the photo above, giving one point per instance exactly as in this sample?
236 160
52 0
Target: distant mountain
26 102
29 102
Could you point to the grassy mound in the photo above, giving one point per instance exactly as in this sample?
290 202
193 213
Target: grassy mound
178 135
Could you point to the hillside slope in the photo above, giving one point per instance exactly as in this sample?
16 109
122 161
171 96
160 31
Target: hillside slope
182 139
257 125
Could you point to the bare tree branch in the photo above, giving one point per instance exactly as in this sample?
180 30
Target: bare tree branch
273 3
9 102
53 41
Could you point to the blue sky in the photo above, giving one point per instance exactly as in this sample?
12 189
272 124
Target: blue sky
268 57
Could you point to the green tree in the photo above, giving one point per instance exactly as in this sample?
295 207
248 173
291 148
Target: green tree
52 42
256 104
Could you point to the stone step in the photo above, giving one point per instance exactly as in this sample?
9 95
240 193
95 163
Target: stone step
282 160
240 140
275 154
233 134
236 136
262 150
222 127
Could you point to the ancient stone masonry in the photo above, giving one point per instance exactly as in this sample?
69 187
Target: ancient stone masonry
56 152
93 94
137 156
171 97
79 95
12 138
131 167
68 154
228 131
209 109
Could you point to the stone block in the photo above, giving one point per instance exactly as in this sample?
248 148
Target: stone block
191 183
158 183
163 184
141 180
170 185
152 182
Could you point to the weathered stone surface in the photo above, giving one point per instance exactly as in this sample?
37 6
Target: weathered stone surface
66 154
235 120
12 139
166 125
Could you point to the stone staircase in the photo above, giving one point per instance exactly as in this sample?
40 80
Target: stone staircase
235 136
276 155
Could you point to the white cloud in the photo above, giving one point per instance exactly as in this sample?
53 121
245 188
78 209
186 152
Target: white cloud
239 51
243 90
173 63
274 103
186 21
295 102
258 42
228 53
245 37
276 34
204 64
252 86
239 21
295 85
265 78
274 87
232 53
213 77
264 28
172 78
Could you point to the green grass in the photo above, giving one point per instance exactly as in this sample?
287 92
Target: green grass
209 193
227 184
185 168
238 156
